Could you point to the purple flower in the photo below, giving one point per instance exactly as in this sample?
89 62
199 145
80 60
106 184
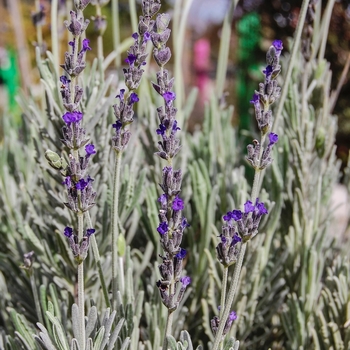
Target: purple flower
72 117
268 71
146 36
90 150
161 129
260 208
135 36
64 80
121 94
184 223
223 238
169 96
133 98
68 231
236 215
255 99
185 281
81 184
248 207
72 44
273 138
67 181
235 240
131 59
89 232
228 216
232 316
278 45
181 254
118 125
167 171
86 46
163 228
175 127
178 204
163 199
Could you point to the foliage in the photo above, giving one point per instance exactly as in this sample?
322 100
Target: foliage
294 286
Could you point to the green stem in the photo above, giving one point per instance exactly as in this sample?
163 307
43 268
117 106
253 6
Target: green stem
223 290
81 297
238 267
169 325
98 260
179 39
293 56
116 33
54 34
100 47
133 16
325 27
224 50
230 296
223 295
39 31
115 227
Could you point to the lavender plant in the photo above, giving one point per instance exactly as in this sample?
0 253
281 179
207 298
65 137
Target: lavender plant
281 302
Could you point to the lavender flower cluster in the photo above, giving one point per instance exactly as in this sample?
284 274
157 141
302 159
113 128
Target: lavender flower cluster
262 99
78 184
172 223
239 226
136 59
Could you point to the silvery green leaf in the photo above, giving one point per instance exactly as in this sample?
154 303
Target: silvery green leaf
89 344
75 344
231 344
171 343
107 323
99 338
115 334
58 332
125 344
75 320
185 338
91 321
22 328
24 342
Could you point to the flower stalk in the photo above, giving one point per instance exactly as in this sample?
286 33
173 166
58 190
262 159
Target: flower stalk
240 227
124 113
172 223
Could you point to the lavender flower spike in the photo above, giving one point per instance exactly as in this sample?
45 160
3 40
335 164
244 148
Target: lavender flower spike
172 223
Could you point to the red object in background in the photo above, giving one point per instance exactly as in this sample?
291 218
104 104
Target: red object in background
201 64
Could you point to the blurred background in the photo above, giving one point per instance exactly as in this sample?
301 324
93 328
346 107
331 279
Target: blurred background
256 23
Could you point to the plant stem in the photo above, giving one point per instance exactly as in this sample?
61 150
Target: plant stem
100 46
230 296
223 290
54 36
115 227
224 49
238 267
39 31
169 321
293 55
223 294
98 261
169 325
81 298
115 28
